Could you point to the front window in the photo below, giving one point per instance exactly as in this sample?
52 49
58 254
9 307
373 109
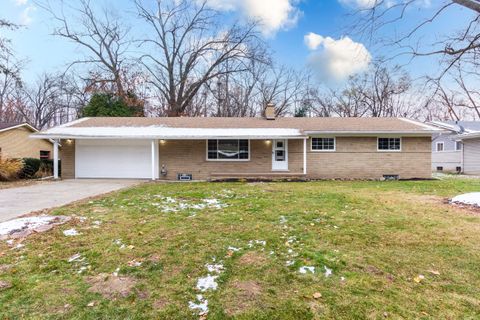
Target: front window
439 146
323 144
228 150
44 155
389 144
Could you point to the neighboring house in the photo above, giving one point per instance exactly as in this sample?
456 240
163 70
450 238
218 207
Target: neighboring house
451 152
15 142
218 148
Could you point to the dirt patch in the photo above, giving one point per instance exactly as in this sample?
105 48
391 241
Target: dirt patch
111 287
253 258
377 272
245 295
160 303
5 268
4 285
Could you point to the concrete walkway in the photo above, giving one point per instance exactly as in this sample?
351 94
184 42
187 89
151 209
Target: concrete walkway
15 202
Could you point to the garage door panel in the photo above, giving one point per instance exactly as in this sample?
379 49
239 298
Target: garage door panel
112 159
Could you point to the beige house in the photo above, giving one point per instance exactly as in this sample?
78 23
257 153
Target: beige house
219 148
15 142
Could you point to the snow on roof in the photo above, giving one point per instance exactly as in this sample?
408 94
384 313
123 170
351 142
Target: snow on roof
161 132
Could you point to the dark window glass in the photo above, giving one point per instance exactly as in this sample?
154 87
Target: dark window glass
44 155
228 149
388 143
323 143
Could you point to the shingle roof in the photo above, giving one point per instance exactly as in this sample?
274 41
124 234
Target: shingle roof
224 128
304 124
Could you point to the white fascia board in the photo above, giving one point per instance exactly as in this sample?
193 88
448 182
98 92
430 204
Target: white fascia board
18 126
421 124
417 133
167 133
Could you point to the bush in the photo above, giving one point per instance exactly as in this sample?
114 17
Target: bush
32 165
10 169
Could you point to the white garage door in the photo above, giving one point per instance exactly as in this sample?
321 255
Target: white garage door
113 159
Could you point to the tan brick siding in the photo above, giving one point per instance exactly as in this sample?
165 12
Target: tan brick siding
358 158
354 158
16 143
67 154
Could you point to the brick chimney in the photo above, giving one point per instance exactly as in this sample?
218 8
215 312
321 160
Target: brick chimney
270 111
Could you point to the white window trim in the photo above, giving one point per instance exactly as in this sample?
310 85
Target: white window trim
326 150
443 147
226 160
461 145
380 150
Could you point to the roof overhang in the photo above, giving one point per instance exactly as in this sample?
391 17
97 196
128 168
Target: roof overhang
33 129
468 136
167 133
423 133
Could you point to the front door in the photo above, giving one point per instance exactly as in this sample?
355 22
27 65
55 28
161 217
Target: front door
280 155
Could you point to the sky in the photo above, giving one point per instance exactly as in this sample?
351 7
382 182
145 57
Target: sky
311 34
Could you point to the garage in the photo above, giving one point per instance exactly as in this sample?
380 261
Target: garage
130 159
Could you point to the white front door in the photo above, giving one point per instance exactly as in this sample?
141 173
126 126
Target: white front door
280 155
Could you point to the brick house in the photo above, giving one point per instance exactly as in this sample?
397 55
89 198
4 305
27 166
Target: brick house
15 142
218 148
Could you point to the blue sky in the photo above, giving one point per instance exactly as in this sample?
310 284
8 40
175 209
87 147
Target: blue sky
325 20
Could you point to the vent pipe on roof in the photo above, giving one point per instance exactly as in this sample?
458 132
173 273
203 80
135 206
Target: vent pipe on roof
270 111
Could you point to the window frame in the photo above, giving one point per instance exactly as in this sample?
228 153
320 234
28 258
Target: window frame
226 160
389 150
443 146
458 142
49 155
323 150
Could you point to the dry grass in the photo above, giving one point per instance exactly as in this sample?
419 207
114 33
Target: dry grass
376 237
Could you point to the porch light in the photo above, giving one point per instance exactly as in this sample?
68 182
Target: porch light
69 141
163 141
267 142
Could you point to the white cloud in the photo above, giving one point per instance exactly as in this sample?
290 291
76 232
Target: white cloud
273 15
21 2
335 60
26 15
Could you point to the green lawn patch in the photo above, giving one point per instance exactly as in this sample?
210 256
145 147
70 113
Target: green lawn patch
313 250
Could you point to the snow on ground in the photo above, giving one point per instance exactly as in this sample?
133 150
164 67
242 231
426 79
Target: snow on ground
201 306
30 224
169 204
306 269
206 283
70 233
328 272
472 198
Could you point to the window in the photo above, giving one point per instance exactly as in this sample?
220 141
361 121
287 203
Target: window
228 150
439 168
323 144
458 145
439 146
44 155
389 144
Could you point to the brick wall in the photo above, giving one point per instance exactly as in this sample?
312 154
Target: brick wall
16 143
67 154
354 158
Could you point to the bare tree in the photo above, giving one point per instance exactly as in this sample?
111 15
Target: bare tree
41 103
103 37
378 92
187 48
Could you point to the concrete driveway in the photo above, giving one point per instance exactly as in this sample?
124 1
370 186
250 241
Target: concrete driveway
15 202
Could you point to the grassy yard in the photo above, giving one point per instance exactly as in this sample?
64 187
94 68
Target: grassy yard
378 250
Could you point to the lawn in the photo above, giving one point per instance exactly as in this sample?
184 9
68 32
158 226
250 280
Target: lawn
313 250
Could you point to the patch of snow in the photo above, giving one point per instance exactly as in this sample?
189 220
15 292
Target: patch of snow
251 243
10 242
75 257
472 198
115 273
217 268
289 263
306 269
234 249
19 224
328 272
201 305
283 220
206 283
70 233
97 222
19 246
